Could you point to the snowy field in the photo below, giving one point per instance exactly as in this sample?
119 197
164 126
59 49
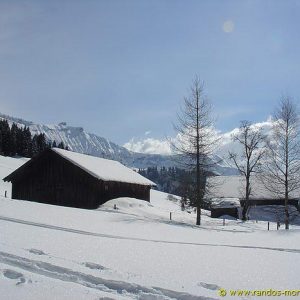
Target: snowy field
136 251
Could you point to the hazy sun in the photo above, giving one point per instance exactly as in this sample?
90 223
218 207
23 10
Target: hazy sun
228 26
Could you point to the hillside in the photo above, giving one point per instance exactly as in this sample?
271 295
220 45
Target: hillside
136 252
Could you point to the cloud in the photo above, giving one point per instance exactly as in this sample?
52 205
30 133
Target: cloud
149 146
156 146
228 26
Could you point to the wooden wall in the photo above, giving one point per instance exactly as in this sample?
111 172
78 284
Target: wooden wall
221 211
274 201
54 180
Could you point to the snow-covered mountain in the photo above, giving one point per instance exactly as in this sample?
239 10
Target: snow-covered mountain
80 141
227 144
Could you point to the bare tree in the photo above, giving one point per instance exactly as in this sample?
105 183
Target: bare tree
282 167
248 162
195 139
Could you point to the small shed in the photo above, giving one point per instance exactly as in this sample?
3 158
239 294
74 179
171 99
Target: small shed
224 206
67 178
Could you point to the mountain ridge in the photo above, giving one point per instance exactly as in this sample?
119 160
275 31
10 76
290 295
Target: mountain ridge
77 139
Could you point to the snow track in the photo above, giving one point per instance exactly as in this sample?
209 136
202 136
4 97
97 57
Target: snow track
109 236
110 286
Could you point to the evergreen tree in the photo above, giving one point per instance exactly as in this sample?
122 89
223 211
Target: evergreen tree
61 145
41 143
5 132
13 139
0 143
34 145
19 141
27 142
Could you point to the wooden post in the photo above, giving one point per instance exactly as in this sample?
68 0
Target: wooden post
223 222
5 194
278 225
170 216
268 225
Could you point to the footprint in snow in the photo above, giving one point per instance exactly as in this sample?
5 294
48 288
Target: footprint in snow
94 266
37 251
11 274
209 286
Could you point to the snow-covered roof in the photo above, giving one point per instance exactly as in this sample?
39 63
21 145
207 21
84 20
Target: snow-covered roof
225 202
104 169
234 187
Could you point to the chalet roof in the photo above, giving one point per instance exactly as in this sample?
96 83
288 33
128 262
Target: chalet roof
100 168
225 202
104 169
234 187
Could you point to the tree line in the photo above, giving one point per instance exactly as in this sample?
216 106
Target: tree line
275 158
18 141
174 180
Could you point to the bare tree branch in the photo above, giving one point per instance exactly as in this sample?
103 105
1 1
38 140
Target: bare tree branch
281 171
249 161
195 139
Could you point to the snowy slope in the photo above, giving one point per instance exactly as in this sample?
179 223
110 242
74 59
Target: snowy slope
7 166
136 252
80 141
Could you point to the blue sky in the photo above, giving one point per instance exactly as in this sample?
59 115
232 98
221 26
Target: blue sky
122 68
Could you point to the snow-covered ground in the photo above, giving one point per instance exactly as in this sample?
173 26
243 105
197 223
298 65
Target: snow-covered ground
136 251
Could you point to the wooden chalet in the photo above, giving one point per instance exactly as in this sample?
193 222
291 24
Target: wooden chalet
224 206
228 189
66 178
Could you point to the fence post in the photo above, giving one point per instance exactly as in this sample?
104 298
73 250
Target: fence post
268 225
223 222
5 194
170 216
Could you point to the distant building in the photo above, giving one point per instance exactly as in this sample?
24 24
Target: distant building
227 195
224 206
62 177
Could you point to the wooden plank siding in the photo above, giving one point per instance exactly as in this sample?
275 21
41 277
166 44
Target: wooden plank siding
53 179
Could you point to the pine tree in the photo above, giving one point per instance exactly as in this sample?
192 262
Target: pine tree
61 145
34 145
196 142
41 143
0 142
5 132
20 142
27 142
13 139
